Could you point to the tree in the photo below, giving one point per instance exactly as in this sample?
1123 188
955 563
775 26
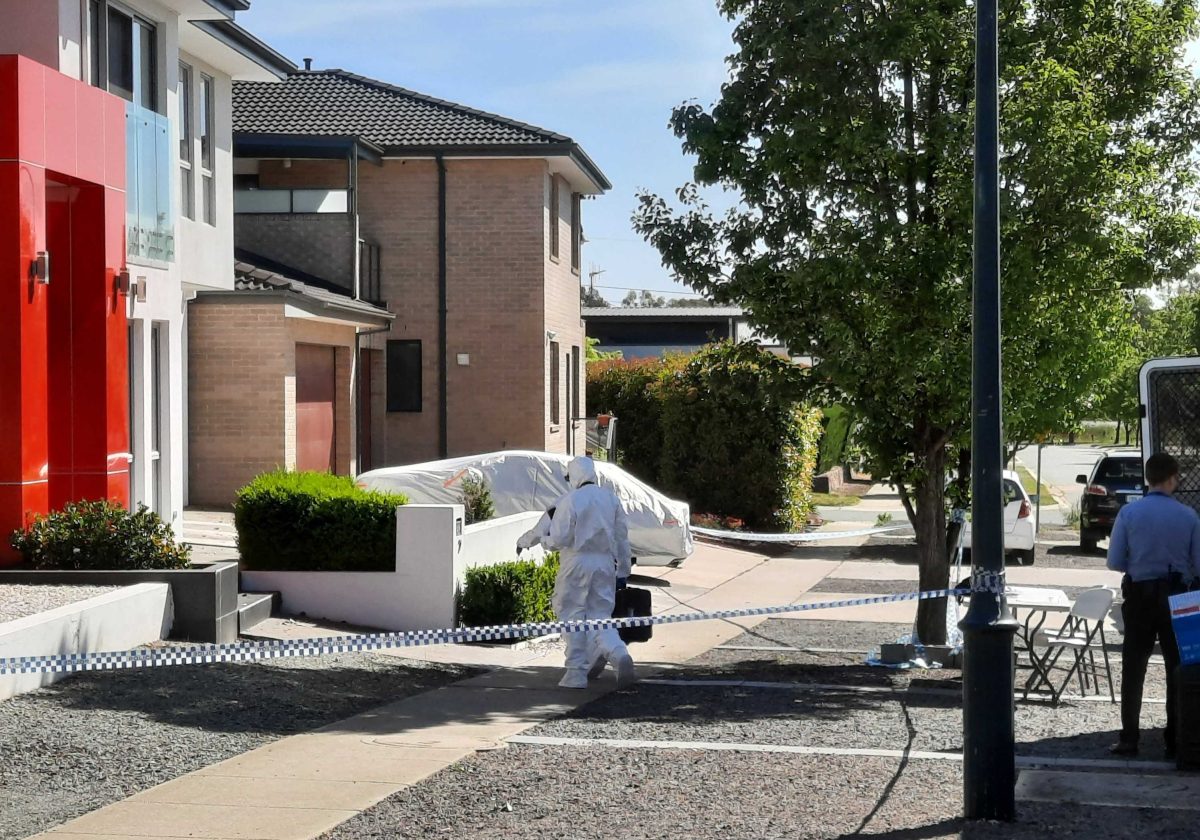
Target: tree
846 129
590 297
643 300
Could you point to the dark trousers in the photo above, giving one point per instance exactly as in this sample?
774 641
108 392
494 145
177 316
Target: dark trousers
1147 619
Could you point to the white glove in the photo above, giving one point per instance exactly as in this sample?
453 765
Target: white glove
528 540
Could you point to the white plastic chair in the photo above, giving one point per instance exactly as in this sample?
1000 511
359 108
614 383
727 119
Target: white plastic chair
1082 634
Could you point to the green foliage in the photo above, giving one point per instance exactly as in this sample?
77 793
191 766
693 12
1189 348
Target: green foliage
628 389
737 441
835 500
508 593
883 520
835 431
851 240
313 521
592 354
100 535
477 500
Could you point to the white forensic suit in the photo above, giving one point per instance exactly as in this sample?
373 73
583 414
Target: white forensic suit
589 531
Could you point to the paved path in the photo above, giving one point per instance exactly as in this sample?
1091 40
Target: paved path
299 787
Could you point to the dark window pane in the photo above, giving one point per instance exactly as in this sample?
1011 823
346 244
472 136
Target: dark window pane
404 375
185 113
95 42
145 66
576 232
554 212
206 122
555 365
120 54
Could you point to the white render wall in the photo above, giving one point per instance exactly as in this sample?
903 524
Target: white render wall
115 621
433 552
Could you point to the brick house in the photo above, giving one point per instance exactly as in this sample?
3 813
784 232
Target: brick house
465 225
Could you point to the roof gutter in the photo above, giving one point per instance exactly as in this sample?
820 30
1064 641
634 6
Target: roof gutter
360 317
241 41
569 149
443 348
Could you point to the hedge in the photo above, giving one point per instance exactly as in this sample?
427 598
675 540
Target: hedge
630 391
311 521
100 535
726 429
836 430
508 593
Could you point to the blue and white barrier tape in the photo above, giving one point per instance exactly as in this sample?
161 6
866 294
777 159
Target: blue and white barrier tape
250 651
802 536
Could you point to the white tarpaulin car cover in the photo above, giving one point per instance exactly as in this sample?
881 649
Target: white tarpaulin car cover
533 481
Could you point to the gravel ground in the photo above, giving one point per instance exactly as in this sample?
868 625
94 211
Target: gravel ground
19 600
97 738
525 792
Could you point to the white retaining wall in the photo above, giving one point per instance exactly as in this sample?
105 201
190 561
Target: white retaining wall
131 616
433 551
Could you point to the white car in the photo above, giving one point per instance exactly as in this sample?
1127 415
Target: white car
522 481
1018 522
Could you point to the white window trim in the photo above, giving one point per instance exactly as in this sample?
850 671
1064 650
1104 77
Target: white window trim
187 199
208 196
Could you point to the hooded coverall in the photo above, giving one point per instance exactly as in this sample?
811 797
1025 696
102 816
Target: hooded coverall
590 532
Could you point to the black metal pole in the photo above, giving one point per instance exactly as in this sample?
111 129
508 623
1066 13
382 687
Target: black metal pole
989 765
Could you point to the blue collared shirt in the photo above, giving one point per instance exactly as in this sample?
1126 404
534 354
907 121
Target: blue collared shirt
1155 536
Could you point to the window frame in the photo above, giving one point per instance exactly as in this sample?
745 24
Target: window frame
412 401
98 60
576 232
555 384
206 134
555 210
187 141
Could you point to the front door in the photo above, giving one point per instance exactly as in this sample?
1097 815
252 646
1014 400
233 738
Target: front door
316 393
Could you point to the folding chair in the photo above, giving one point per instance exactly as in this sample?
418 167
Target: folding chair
1082 633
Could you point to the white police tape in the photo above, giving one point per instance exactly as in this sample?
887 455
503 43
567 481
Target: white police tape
987 582
801 536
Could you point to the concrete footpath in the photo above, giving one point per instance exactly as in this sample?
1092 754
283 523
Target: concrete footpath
301 786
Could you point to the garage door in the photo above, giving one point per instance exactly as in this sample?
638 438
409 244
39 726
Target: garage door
315 396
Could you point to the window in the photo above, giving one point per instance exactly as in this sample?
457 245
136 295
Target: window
576 382
555 365
576 232
207 141
404 375
554 217
187 140
123 54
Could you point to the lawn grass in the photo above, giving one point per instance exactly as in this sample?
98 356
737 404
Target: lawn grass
1029 482
834 500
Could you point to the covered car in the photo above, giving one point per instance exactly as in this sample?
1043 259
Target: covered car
524 481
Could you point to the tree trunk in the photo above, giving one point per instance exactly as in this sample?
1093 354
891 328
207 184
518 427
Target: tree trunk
929 521
1117 438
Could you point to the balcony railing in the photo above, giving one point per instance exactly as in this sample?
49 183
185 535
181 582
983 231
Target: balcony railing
291 201
149 222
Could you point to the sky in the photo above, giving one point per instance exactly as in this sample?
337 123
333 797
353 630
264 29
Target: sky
604 72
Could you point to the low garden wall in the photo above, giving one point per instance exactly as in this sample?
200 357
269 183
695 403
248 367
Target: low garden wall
120 620
433 551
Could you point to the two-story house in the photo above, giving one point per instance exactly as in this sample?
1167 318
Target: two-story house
465 225
116 207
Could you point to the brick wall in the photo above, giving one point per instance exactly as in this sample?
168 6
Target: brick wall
561 302
315 174
238 360
242 394
321 244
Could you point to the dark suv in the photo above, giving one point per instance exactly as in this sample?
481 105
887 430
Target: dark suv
1115 480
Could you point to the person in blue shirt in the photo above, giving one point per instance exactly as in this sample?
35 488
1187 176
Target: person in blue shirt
1156 543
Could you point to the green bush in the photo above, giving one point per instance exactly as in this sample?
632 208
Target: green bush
477 500
311 521
508 593
100 535
835 431
628 390
738 441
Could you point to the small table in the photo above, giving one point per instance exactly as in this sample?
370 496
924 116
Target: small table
1037 602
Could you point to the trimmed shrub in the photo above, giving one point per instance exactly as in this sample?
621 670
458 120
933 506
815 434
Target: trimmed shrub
313 521
629 391
835 432
508 593
477 500
738 441
100 535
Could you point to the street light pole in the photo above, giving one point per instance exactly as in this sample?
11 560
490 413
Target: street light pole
989 765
